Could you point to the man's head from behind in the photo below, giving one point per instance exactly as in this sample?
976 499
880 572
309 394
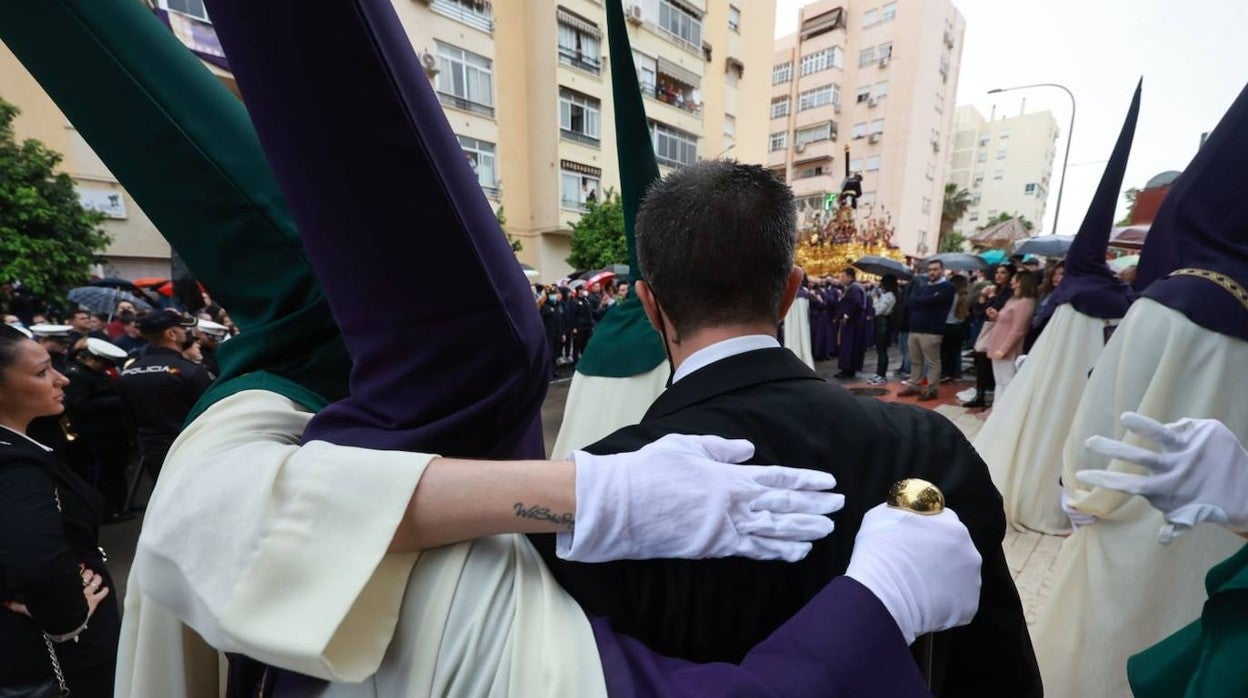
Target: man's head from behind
715 243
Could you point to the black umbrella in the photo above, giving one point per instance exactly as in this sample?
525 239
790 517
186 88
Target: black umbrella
99 300
959 261
880 266
1045 245
114 282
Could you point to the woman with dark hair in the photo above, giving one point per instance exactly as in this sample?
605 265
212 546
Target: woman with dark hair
1005 341
1052 277
992 300
884 304
53 583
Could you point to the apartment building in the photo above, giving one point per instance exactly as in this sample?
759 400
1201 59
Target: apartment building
1005 163
526 87
871 82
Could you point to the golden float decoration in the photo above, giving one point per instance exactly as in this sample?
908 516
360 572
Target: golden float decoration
825 248
918 496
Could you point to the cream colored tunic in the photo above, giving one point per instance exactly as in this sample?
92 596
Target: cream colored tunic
256 544
797 331
597 406
1023 438
1116 590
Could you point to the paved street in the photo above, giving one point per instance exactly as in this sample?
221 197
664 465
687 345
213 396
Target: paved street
1030 555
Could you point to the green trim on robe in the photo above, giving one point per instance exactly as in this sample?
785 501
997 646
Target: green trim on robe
1205 659
183 146
624 344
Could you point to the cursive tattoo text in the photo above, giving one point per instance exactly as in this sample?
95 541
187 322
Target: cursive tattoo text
539 513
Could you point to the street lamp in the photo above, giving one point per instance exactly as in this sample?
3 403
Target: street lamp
1057 211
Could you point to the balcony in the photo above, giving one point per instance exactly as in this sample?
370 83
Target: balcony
474 13
578 137
577 59
450 100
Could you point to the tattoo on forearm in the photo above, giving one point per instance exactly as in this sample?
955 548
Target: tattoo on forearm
565 520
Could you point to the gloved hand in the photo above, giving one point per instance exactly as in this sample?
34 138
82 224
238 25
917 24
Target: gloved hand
1078 519
681 497
924 569
1200 474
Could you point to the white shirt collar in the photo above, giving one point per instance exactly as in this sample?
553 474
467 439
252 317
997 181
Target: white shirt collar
14 431
721 350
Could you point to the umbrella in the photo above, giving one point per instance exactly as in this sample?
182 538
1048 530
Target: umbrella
530 273
601 277
1045 245
880 266
102 301
1121 263
114 282
993 257
1130 237
958 261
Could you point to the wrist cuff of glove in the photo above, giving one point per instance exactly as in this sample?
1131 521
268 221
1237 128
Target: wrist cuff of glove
892 602
598 534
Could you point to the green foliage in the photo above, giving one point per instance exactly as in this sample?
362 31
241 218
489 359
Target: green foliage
1003 217
952 242
1129 195
956 202
516 245
48 241
598 237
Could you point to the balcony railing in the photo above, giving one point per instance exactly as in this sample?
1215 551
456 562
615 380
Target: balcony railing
676 99
479 18
579 137
491 192
450 100
576 59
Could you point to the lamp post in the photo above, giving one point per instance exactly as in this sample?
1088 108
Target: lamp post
1057 210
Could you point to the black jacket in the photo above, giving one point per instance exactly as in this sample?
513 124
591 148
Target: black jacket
715 610
160 389
93 404
40 551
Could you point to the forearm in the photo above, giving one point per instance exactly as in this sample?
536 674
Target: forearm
458 500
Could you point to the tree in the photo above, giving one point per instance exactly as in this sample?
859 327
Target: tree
1129 195
516 245
953 242
598 237
1003 217
48 241
957 201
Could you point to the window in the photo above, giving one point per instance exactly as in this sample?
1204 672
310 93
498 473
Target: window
888 12
926 206
983 142
680 23
778 141
672 146
873 163
974 217
194 8
1029 188
818 97
576 189
860 129
480 155
992 213
862 94
647 72
979 181
813 134
580 43
983 157
1001 153
822 60
732 77
855 165
474 13
580 116
464 81
734 18
877 126
781 73
866 57
885 51
730 125
808 172
779 107
931 171
998 174
881 90
870 17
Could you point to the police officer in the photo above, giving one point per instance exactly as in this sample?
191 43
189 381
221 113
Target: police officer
98 420
56 340
161 387
210 335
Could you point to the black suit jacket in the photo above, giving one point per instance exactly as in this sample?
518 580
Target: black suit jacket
40 550
715 610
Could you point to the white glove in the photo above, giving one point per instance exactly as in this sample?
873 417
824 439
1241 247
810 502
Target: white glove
1078 519
680 497
924 569
1200 474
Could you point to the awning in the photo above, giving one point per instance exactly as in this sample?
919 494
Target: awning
577 22
578 168
824 22
676 72
731 63
688 7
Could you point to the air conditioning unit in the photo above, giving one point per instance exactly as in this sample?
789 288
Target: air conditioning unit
836 107
884 61
871 102
799 148
430 63
875 138
634 15
935 146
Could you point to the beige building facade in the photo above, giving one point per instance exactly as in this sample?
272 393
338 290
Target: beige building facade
1005 163
872 82
526 87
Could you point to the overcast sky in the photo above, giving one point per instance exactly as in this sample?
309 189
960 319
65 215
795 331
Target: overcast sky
1192 54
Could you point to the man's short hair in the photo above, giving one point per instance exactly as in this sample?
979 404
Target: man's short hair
715 242
937 262
850 272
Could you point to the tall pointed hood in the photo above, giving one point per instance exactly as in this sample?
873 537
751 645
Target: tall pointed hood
1196 257
1089 285
625 344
